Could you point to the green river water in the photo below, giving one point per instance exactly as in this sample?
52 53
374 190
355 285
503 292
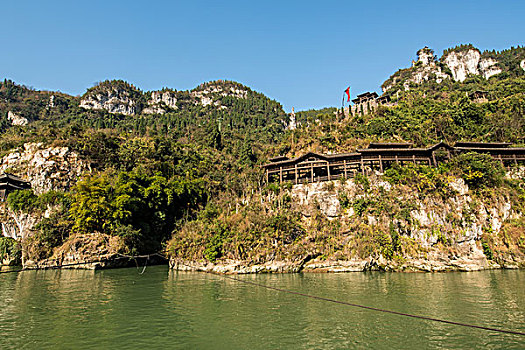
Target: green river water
163 309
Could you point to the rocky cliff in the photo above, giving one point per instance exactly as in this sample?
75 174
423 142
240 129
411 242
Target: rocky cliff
213 92
119 97
371 224
16 119
160 102
463 63
46 168
112 96
456 63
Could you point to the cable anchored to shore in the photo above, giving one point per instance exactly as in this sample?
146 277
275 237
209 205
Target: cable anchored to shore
374 308
119 257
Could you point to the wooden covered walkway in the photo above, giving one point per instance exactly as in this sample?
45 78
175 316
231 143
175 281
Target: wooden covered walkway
313 167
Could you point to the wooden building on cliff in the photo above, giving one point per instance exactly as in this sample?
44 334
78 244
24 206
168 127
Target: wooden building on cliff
10 183
313 167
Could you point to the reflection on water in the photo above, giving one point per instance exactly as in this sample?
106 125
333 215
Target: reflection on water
168 309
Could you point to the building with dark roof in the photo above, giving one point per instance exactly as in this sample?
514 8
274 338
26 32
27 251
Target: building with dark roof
10 183
313 167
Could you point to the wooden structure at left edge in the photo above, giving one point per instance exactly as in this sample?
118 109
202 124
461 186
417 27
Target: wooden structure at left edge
313 167
10 183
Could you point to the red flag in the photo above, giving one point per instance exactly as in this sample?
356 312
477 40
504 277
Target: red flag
347 92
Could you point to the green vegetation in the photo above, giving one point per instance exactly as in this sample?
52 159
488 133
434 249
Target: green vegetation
143 209
478 170
151 173
189 180
10 249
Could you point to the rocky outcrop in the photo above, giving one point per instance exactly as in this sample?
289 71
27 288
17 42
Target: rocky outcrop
86 251
320 196
210 93
434 232
424 69
463 63
160 102
489 67
16 119
475 261
457 63
111 99
46 168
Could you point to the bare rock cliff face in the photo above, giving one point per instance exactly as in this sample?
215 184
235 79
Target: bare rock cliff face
160 102
426 69
460 220
15 119
463 63
488 67
206 96
111 100
46 168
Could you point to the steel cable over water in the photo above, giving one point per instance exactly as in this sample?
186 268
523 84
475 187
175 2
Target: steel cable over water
159 254
372 308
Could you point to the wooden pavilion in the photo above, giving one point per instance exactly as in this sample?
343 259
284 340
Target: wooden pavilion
313 167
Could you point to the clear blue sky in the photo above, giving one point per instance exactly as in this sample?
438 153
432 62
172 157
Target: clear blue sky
301 53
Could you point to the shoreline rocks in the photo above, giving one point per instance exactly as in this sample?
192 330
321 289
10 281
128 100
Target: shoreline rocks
341 266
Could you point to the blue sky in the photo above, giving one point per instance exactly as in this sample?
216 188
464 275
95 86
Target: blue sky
301 53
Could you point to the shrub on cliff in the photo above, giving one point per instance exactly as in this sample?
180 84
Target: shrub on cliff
22 200
143 208
478 170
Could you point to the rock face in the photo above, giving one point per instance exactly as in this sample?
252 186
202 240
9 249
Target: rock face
424 69
426 57
208 94
86 251
113 100
457 64
46 168
160 101
488 67
463 63
437 233
15 119
427 69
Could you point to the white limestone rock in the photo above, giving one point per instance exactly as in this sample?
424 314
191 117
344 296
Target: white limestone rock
488 67
522 64
16 119
46 168
426 57
463 63
51 103
207 94
160 101
112 100
424 69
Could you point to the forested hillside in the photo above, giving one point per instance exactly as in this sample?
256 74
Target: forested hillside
153 171
180 170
